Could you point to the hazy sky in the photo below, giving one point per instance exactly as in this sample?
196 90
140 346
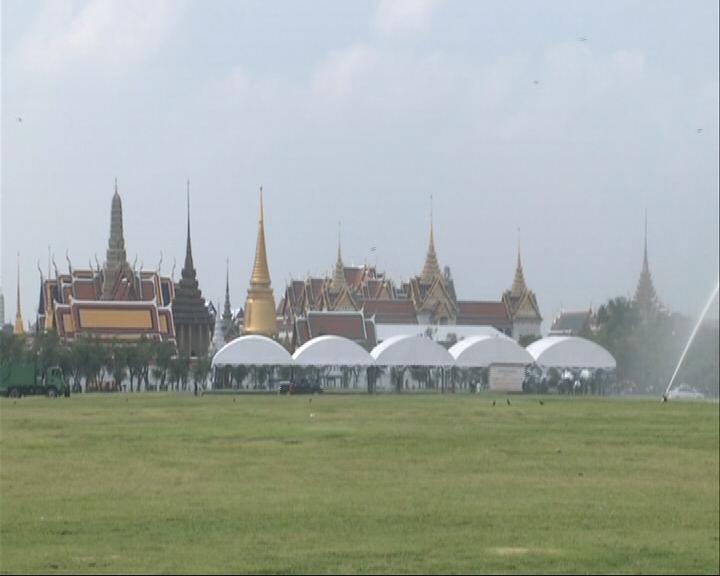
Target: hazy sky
356 112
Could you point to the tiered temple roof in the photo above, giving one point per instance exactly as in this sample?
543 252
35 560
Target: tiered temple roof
428 298
193 321
115 302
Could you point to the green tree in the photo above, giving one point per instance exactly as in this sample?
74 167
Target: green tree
12 348
528 339
117 363
163 354
200 372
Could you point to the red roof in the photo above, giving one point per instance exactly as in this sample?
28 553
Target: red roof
354 277
481 312
303 333
347 324
400 311
84 290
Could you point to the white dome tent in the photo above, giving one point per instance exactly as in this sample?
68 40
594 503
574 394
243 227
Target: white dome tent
579 365
331 351
483 351
410 351
252 351
570 352
339 360
504 359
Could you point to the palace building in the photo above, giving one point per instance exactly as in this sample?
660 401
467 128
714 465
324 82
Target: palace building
357 302
115 302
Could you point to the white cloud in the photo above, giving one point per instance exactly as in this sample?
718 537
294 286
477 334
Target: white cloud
98 34
404 16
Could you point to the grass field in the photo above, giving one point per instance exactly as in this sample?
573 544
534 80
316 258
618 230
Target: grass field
409 484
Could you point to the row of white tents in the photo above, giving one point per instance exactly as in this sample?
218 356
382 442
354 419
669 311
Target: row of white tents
494 351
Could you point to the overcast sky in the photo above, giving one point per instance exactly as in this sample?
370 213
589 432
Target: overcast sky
565 119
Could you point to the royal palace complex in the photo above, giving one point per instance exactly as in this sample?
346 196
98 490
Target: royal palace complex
116 301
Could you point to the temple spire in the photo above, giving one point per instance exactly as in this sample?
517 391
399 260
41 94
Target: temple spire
227 312
260 303
189 268
645 295
338 280
518 286
260 273
431 269
18 328
116 258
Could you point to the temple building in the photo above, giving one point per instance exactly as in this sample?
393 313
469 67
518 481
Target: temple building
522 306
646 298
364 305
259 316
115 302
193 320
572 323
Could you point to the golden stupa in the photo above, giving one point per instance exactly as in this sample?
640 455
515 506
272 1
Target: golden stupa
260 303
18 328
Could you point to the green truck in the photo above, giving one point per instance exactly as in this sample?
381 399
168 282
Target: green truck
25 379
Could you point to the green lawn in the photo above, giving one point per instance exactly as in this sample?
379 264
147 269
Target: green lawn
410 484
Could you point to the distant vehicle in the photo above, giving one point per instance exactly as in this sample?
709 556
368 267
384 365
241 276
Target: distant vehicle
304 386
25 379
685 392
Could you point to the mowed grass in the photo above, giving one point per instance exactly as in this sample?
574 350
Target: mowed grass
402 484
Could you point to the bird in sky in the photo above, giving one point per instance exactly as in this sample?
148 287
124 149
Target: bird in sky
699 130
536 82
582 39
20 119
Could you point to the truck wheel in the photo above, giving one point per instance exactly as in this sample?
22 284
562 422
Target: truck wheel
14 393
52 392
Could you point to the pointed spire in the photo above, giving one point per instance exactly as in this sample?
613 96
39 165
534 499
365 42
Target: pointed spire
188 270
645 295
260 274
518 286
18 328
338 279
431 269
116 259
260 303
227 311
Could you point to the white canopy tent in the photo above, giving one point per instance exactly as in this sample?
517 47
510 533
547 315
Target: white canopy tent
406 350
331 351
482 351
570 352
252 350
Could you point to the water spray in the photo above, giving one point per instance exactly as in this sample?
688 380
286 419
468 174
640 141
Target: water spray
690 340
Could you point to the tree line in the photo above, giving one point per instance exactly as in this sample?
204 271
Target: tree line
109 366
647 345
